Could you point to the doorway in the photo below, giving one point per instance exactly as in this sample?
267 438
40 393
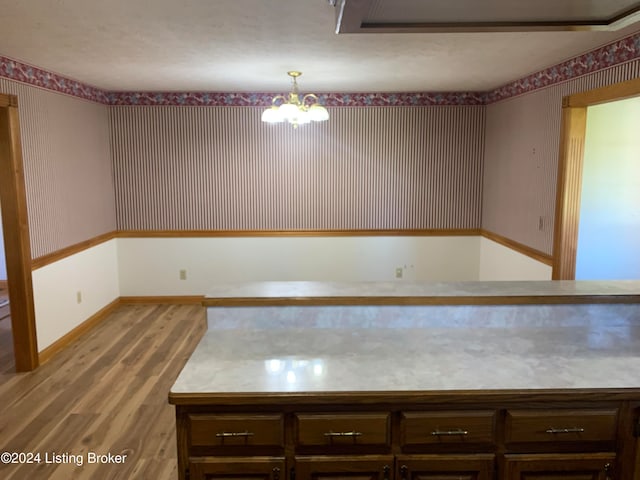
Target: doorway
15 228
7 356
570 170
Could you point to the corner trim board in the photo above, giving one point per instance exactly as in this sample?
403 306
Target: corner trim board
15 220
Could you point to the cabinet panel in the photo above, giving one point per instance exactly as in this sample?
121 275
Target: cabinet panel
436 428
237 468
445 467
361 467
523 426
589 466
334 429
236 430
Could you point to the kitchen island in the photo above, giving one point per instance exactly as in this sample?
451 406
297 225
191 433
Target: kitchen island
314 387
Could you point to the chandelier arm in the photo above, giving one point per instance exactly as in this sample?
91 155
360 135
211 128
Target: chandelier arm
277 98
312 96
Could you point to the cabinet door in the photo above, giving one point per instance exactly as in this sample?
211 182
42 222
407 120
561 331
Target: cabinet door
636 472
237 468
445 467
360 467
588 466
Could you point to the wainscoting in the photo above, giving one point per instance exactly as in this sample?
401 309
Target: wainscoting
73 288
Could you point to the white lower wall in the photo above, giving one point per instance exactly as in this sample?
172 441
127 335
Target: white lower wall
151 266
498 262
93 272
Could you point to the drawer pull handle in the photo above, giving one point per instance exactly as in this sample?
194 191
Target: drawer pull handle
234 434
342 434
404 472
565 430
440 433
608 472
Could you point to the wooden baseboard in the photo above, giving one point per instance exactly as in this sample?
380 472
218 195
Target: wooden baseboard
100 315
77 332
166 299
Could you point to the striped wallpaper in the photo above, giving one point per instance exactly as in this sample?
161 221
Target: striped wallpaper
67 167
367 168
220 168
521 158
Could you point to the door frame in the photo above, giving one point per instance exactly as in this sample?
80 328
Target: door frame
573 131
15 225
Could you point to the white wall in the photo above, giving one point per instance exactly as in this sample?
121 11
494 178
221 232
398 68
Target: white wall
93 272
609 231
151 266
498 262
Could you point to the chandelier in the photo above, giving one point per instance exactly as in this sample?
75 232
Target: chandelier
293 109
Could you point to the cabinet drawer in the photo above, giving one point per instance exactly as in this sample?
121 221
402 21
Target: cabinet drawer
523 426
248 468
342 429
429 428
236 430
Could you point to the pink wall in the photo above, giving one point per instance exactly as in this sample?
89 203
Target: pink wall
366 168
212 167
521 157
68 170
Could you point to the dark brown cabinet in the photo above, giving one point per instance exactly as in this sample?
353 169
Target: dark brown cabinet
561 426
472 436
340 431
362 467
419 430
593 466
237 468
445 467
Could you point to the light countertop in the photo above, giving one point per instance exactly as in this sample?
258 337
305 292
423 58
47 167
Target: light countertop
532 356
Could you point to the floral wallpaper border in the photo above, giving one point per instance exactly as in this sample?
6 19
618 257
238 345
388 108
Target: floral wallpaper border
615 53
22 72
240 99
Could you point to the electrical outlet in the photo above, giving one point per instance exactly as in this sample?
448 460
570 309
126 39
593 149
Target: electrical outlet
399 272
183 274
78 296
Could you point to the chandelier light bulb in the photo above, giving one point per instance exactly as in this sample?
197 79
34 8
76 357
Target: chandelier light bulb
272 115
289 110
318 113
294 108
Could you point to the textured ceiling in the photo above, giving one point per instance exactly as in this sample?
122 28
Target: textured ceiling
249 45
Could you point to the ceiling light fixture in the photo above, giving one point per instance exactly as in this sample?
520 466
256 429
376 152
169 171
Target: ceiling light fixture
294 109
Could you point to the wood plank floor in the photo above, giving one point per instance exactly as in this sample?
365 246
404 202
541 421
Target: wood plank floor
105 393
7 359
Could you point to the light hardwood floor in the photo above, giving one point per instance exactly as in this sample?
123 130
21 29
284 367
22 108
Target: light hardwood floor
105 393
